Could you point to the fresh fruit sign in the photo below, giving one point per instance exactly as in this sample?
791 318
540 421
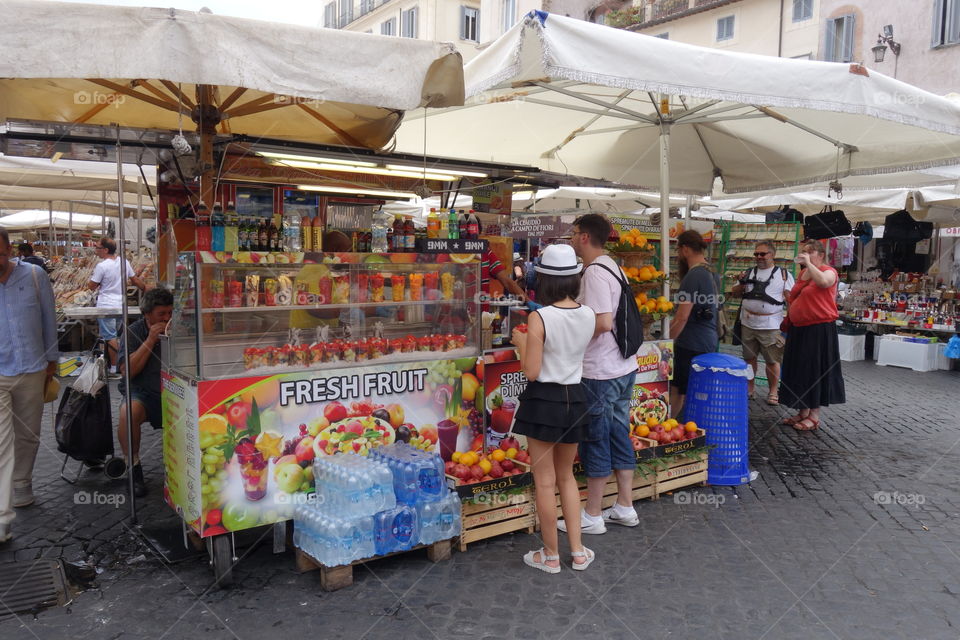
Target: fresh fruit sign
239 453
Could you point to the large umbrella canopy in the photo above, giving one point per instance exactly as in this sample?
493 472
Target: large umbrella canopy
568 95
41 220
601 199
144 68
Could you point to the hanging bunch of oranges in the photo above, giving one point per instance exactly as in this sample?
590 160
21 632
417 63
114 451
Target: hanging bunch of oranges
645 273
653 305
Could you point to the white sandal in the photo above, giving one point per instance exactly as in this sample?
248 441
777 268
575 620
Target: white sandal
586 553
529 558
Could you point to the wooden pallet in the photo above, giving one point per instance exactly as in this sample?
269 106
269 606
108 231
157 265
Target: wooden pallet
495 514
681 472
333 578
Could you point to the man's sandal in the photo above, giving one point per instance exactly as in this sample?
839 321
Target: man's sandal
773 400
586 553
530 559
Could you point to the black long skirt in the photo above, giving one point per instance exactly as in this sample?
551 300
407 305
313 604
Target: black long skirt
552 412
811 375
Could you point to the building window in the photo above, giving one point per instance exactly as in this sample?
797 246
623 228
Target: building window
509 14
946 22
366 6
725 28
838 44
346 12
408 23
389 27
470 24
802 10
330 15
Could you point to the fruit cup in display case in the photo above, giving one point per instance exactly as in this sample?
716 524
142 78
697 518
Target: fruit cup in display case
253 469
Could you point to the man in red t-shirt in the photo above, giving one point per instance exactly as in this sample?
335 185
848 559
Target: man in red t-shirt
491 267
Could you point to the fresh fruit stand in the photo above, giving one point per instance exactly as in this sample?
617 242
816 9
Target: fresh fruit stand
253 394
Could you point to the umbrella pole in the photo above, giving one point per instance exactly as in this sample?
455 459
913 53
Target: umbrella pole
103 218
665 216
126 336
139 211
50 235
70 232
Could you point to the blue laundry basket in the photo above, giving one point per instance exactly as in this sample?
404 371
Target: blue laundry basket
717 401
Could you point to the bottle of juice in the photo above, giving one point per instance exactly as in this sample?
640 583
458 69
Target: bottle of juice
306 233
433 224
263 236
409 236
217 231
317 234
203 228
398 242
231 229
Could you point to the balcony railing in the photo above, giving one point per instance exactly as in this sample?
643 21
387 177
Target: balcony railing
665 8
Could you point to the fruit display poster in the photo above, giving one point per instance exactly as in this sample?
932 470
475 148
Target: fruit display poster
181 448
650 400
655 361
244 447
503 382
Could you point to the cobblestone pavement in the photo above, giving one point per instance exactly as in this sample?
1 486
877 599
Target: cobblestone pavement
849 532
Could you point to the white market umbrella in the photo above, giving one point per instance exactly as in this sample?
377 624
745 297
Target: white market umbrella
585 99
600 199
36 219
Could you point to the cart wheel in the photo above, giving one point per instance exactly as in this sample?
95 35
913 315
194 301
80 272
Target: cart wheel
221 558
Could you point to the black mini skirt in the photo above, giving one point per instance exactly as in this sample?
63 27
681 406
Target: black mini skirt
552 412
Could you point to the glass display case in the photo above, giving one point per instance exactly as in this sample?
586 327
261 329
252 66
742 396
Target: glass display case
250 314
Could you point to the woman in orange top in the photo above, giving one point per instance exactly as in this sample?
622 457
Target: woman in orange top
811 362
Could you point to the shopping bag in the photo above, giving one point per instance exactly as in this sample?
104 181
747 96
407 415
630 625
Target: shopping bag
83 425
953 348
93 375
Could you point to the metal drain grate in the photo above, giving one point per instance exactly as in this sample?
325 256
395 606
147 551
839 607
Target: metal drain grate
27 587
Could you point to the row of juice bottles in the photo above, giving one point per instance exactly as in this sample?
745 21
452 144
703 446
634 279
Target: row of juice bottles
453 226
221 230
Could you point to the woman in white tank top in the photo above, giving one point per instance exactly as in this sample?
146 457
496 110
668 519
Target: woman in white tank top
553 408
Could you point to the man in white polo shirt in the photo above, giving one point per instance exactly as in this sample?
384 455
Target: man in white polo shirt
764 290
106 278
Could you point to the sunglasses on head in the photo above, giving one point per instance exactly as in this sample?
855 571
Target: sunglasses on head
760 254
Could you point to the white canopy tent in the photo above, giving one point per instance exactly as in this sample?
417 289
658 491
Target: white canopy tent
40 221
601 199
585 99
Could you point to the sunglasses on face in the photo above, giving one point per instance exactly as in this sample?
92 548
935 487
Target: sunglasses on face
760 254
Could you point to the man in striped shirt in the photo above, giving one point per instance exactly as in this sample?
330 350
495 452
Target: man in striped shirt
491 267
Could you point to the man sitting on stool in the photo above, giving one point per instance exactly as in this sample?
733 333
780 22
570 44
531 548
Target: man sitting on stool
145 367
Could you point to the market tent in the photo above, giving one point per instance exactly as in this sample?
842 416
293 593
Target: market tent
589 100
40 221
856 205
602 199
145 67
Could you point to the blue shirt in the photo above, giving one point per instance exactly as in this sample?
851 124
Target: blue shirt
28 321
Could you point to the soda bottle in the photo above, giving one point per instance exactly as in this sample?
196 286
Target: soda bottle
464 225
473 228
231 229
218 234
453 225
203 228
273 236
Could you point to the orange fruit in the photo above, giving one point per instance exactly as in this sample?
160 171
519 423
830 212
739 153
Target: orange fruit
511 453
455 456
645 273
499 455
651 306
690 426
486 465
469 458
213 423
652 422
643 430
642 298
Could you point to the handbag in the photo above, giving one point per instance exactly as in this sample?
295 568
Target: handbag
785 324
83 425
826 224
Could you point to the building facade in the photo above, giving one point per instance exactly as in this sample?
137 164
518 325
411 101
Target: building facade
926 33
787 28
469 24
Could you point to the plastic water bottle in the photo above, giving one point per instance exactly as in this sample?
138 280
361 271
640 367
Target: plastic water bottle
396 529
291 233
417 475
378 240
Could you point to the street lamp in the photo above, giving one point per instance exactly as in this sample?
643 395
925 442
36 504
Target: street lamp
884 39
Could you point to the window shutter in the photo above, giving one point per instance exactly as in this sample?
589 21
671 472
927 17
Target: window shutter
830 41
848 35
463 22
951 34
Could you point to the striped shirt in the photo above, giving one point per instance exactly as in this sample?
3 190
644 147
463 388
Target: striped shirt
28 321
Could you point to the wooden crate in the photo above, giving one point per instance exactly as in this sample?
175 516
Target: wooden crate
333 578
493 514
681 471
